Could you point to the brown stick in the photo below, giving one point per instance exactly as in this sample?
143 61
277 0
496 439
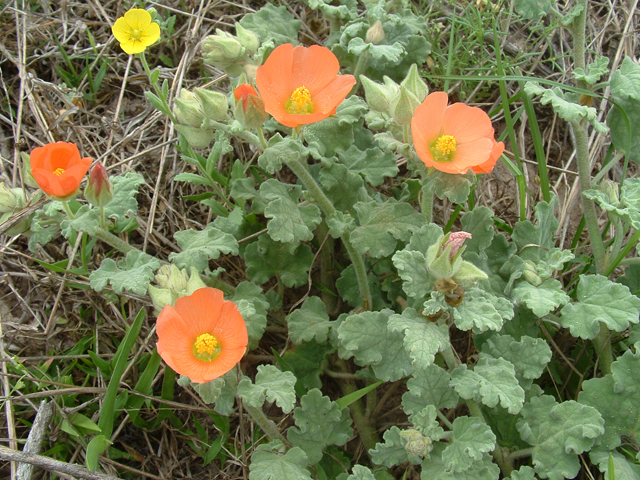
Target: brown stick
7 454
33 445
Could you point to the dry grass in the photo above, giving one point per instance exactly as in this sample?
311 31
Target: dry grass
44 313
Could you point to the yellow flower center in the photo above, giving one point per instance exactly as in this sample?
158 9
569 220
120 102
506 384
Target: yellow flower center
135 34
443 148
206 347
300 102
58 171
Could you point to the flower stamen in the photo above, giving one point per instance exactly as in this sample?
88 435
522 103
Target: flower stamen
58 171
443 148
300 102
206 347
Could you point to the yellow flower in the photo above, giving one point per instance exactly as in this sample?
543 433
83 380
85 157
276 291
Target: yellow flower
135 31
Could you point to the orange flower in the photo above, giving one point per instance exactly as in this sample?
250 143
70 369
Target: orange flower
455 138
58 168
301 85
203 337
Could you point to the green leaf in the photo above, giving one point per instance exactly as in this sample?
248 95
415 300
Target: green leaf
600 300
625 82
411 262
361 473
543 299
134 273
281 151
566 109
366 337
373 164
382 225
558 432
491 381
290 222
308 362
125 189
524 473
617 397
272 23
429 386
454 187
422 338
534 241
481 311
623 468
345 9
554 260
434 468
309 321
626 136
87 219
344 188
198 247
479 223
253 307
529 356
192 178
532 9
267 258
472 438
319 422
391 452
96 446
266 465
339 223
272 384
596 69
208 391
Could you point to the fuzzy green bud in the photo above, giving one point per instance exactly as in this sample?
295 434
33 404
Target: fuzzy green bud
9 201
197 137
417 446
247 38
375 34
173 283
99 191
530 273
214 104
403 106
221 48
153 12
414 83
444 260
379 96
611 189
188 109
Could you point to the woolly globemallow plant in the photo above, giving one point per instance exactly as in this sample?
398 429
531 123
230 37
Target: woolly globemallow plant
203 336
58 169
454 138
136 31
300 85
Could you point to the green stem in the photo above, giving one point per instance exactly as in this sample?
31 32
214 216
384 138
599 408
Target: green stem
67 209
327 207
623 253
602 343
498 452
590 216
579 43
329 295
449 357
157 89
426 202
263 141
113 240
361 66
266 425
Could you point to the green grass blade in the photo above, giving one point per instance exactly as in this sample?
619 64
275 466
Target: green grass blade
107 412
347 400
543 172
143 385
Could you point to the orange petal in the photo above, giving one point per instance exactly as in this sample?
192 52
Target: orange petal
488 166
273 78
471 154
466 123
231 329
200 310
314 67
427 122
331 96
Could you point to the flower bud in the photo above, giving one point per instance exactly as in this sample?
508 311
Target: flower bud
403 106
414 83
214 104
247 38
99 191
9 201
188 109
379 96
221 48
530 273
611 189
375 34
173 283
444 261
197 137
153 12
417 445
456 240
249 110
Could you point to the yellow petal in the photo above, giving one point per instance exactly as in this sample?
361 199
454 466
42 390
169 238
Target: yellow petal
121 30
133 46
138 18
150 35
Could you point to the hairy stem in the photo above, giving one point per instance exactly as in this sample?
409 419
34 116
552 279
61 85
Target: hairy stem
266 425
113 240
327 208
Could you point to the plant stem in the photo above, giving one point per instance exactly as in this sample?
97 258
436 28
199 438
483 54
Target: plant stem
113 240
327 207
579 43
590 216
498 452
263 141
67 209
266 425
426 202
361 66
602 342
623 253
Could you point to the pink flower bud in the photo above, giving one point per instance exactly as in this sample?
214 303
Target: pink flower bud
98 192
456 240
249 106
